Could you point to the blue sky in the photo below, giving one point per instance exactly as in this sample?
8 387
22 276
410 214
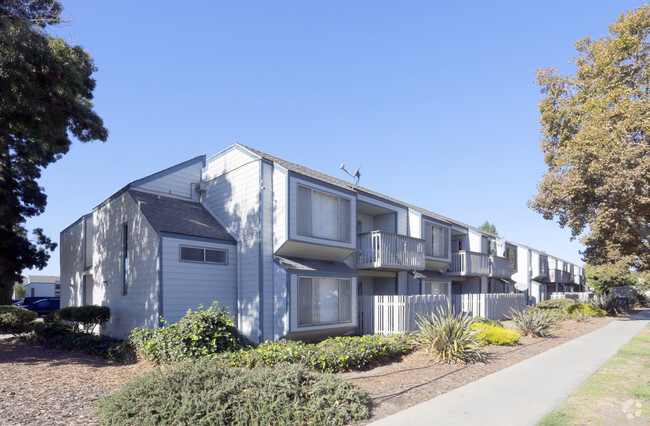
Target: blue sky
436 100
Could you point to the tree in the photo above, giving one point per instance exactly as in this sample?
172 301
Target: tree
46 91
488 227
603 277
595 129
20 291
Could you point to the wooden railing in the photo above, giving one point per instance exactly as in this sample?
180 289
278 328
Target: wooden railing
500 267
470 263
385 250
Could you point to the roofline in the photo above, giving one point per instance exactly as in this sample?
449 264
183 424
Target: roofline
76 222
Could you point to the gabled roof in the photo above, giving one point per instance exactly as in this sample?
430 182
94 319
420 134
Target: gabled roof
174 216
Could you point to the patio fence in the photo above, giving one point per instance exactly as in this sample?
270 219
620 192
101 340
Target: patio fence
398 314
582 297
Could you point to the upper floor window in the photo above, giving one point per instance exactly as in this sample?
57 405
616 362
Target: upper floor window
203 255
323 215
511 255
439 246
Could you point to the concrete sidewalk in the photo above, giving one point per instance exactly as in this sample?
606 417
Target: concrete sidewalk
525 392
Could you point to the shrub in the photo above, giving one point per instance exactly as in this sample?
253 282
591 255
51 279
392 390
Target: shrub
609 303
581 316
449 337
86 317
60 336
586 309
331 355
15 320
556 304
493 323
533 322
201 333
492 335
203 392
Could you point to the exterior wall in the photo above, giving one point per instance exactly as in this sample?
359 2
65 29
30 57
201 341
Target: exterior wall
474 240
71 265
280 208
266 285
385 286
280 302
472 286
398 223
139 307
402 283
367 223
187 285
40 289
523 274
415 224
178 182
232 183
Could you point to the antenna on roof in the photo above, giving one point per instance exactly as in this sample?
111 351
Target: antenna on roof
356 175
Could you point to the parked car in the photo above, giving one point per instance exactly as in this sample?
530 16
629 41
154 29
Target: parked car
43 305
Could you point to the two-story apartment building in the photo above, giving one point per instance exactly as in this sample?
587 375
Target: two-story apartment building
287 249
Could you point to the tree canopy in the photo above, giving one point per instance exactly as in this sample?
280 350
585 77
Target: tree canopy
46 91
488 227
595 126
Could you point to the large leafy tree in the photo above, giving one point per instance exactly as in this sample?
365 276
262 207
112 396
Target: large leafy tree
45 100
595 126
489 227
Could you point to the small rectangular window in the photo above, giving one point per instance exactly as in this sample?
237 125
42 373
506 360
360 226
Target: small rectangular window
192 254
216 256
203 255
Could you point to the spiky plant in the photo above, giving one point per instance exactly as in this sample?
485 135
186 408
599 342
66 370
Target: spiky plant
448 337
533 322
582 316
609 303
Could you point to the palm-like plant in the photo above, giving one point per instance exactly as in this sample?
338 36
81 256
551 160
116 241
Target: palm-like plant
533 322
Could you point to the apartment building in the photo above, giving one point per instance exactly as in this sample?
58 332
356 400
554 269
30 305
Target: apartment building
288 250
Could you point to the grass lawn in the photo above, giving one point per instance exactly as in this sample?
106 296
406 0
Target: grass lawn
617 393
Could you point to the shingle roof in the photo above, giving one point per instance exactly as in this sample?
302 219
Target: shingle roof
181 217
298 264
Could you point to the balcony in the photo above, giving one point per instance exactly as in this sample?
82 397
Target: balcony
566 277
555 275
385 250
500 267
469 263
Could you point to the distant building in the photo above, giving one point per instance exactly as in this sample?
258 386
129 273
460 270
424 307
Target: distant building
43 286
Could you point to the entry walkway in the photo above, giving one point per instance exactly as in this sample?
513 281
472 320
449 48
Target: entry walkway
525 392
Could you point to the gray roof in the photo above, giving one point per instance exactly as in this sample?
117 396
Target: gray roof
311 265
181 217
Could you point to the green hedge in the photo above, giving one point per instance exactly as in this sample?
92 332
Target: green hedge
86 317
59 336
556 304
15 320
492 335
331 355
586 309
203 392
200 333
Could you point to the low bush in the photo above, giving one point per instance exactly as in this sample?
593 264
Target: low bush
492 335
203 392
84 317
15 320
609 303
448 337
493 323
581 316
556 304
60 336
331 355
586 309
199 334
533 322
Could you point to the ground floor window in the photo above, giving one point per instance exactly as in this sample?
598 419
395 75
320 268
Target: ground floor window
323 300
435 288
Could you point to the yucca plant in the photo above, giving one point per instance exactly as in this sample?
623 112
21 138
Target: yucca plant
582 316
533 322
448 337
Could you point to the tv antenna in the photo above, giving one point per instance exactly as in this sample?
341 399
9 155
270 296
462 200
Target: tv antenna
356 175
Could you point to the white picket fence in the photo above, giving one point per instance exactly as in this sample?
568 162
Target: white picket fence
398 314
491 306
582 297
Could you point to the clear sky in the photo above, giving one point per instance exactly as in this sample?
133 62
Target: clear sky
436 100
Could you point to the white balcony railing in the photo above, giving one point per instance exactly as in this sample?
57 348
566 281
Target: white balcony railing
385 250
500 267
470 263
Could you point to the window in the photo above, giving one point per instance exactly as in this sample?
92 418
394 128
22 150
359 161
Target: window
435 288
203 255
439 245
511 254
125 258
323 215
323 301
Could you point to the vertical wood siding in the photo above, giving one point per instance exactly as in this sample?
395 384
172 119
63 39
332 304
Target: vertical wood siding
177 184
71 264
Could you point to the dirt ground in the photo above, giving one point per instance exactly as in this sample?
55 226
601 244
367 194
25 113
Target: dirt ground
415 378
53 387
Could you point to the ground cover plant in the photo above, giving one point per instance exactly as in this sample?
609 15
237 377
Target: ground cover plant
492 335
586 309
448 337
556 304
85 318
331 355
200 333
15 320
533 322
618 393
204 392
